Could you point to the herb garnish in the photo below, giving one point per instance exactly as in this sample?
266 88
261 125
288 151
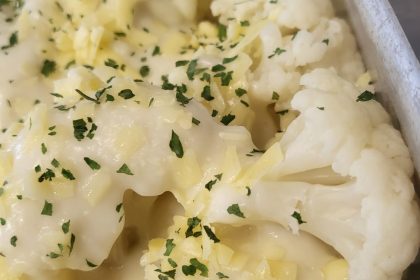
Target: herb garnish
170 245
47 210
226 120
67 174
124 169
48 67
366 96
206 93
298 217
211 234
176 145
234 209
277 51
92 164
126 94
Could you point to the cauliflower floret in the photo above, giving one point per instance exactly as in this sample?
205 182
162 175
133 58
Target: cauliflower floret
366 219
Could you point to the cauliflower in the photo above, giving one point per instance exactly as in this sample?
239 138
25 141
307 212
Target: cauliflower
368 212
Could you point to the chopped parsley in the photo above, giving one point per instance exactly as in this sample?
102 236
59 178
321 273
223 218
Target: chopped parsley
156 51
124 169
180 97
234 209
240 91
55 163
126 94
221 275
211 234
48 67
283 112
244 23
248 191
66 227
46 176
195 121
210 184
172 263
111 63
67 174
144 71
226 120
80 128
275 96
90 264
194 266
321 108
170 245
87 97
227 60
277 51
298 217
206 93
13 240
180 63
191 70
225 78
92 164
13 40
326 41
176 145
2 221
192 224
72 240
118 208
37 169
43 148
218 68
47 210
366 96
222 32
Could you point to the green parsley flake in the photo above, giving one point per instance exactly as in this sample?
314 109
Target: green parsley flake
225 78
48 67
275 96
235 210
229 59
43 148
87 97
13 240
192 224
181 63
170 245
126 94
240 92
206 93
226 120
218 68
46 176
366 96
55 163
277 51
67 174
221 275
195 121
326 41
244 23
72 241
144 71
47 210
172 263
200 266
176 145
66 227
124 169
111 63
2 221
156 51
92 164
180 97
222 32
210 184
248 191
37 169
298 217
90 264
13 40
191 70
211 234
